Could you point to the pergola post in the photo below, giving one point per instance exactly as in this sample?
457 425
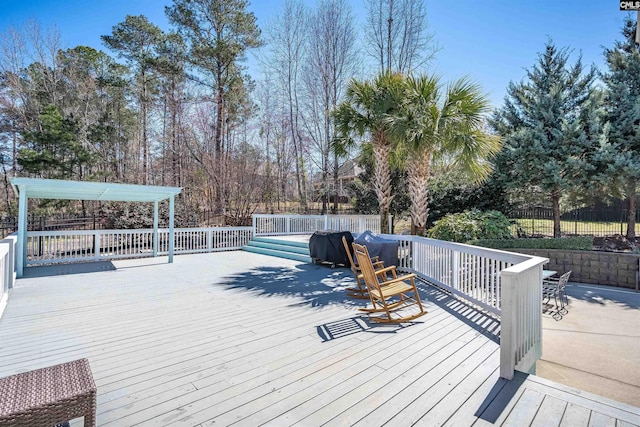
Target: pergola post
171 231
22 232
155 228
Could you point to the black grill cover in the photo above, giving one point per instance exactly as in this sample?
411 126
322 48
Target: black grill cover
326 246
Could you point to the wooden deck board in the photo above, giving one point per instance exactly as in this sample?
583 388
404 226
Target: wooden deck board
245 339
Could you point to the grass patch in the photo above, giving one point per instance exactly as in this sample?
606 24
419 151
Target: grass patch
545 227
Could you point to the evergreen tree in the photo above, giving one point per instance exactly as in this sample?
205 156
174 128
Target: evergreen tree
53 149
218 33
136 39
622 104
542 125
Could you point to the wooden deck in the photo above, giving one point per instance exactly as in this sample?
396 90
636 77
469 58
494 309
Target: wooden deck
246 339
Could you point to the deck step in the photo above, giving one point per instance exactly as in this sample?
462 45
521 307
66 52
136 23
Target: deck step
277 241
277 253
278 247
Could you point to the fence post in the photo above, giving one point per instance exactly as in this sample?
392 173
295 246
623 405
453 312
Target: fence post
326 222
254 223
210 240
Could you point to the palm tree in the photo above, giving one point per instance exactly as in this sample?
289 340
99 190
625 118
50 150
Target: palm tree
367 111
436 125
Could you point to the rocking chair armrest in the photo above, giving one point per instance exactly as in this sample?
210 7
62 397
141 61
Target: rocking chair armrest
399 279
391 268
377 264
375 259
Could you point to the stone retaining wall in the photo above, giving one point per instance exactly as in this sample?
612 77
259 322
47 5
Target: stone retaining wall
602 268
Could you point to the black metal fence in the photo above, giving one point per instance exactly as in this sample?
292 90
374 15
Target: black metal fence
593 221
9 224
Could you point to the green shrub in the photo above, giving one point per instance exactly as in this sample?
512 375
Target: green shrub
583 243
471 225
126 215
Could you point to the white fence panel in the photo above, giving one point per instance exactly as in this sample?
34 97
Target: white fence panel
11 241
51 247
199 240
468 271
6 275
282 225
48 247
114 244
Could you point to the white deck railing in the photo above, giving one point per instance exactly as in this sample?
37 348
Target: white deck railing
50 247
283 225
7 268
503 283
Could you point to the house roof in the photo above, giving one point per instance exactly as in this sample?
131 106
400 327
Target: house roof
84 190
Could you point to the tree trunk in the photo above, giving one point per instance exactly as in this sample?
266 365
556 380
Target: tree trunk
631 215
555 200
419 171
382 174
217 209
145 144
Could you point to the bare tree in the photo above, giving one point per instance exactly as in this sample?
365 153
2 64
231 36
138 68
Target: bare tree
286 37
219 33
397 35
331 62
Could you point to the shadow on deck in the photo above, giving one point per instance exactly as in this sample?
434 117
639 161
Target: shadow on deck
319 286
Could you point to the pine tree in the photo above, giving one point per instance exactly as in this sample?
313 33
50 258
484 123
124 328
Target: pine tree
218 33
622 103
53 149
541 123
136 40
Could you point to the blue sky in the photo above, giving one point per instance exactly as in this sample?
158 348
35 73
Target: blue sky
491 41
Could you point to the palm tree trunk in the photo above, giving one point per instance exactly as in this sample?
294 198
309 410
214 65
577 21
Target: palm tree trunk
382 174
419 171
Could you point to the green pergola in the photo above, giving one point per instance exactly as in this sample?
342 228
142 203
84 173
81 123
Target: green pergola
30 188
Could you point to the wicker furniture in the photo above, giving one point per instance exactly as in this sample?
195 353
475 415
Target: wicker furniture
48 396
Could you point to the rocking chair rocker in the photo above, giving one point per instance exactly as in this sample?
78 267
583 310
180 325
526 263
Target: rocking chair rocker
389 296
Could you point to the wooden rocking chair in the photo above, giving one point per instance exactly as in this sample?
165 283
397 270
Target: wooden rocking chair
389 296
361 291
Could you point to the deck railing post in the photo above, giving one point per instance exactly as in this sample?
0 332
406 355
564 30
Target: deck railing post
254 225
508 326
455 268
96 245
521 317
